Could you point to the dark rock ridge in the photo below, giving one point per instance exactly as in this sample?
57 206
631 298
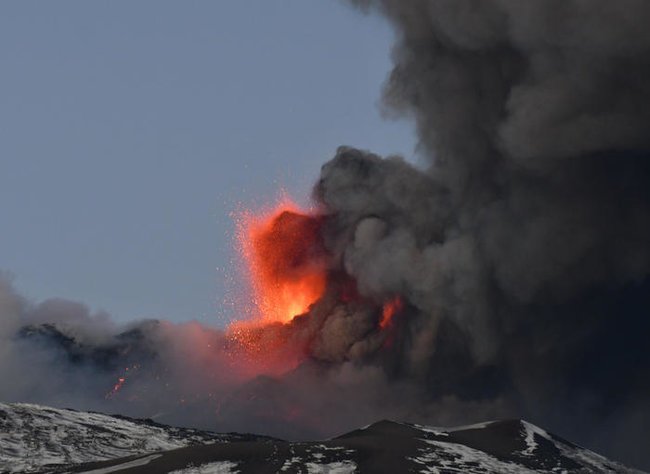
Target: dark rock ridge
41 439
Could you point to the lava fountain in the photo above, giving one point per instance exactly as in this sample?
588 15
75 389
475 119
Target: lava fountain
285 261
288 270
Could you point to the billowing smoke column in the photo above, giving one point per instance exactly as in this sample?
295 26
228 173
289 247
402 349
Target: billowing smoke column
510 278
524 250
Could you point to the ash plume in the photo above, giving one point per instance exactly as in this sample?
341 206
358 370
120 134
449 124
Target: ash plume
519 255
525 245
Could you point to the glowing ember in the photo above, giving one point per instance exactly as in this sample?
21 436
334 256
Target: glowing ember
285 261
389 310
120 382
116 388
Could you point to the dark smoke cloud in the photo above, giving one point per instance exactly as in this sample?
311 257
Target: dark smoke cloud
520 252
525 247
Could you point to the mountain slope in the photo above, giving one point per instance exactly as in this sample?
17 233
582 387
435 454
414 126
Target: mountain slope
32 436
40 439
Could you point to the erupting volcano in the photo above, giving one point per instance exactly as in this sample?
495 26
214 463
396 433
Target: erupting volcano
505 274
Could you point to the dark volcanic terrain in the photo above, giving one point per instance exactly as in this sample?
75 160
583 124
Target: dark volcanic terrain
48 440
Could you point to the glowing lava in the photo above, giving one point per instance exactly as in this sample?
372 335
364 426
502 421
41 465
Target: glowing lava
285 261
389 310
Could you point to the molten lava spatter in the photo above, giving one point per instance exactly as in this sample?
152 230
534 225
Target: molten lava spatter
285 261
121 381
390 308
288 271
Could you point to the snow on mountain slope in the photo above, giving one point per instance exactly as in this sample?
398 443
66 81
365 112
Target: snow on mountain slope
41 439
32 436
510 446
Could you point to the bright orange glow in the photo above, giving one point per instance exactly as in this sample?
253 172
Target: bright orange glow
389 310
284 259
258 347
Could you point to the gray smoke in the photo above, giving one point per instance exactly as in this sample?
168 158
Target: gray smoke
524 248
520 254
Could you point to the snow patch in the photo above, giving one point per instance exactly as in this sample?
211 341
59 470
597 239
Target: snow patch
221 467
341 467
125 465
451 457
289 463
530 431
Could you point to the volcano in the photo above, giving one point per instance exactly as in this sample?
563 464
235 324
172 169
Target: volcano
502 273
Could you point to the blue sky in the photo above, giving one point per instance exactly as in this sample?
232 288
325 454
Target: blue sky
129 130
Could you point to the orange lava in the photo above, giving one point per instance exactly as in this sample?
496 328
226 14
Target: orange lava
390 308
285 261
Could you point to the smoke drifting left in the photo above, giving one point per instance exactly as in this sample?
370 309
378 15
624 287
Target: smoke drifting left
271 371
